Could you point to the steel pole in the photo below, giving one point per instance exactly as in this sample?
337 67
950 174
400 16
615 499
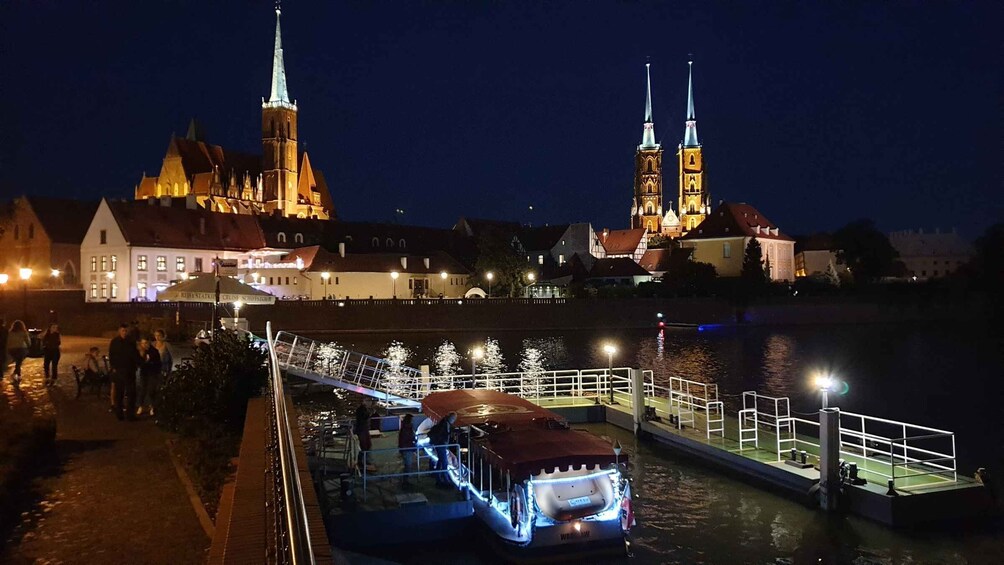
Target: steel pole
610 375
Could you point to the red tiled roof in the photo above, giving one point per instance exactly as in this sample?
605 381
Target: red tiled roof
656 260
541 238
201 157
152 225
736 219
616 267
316 258
621 242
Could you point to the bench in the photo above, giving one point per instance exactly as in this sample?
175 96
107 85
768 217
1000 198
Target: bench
95 382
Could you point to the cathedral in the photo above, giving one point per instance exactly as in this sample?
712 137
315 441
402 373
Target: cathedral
649 210
279 181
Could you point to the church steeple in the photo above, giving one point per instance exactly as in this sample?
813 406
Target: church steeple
279 94
648 133
690 135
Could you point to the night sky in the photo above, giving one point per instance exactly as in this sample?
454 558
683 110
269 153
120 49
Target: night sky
816 114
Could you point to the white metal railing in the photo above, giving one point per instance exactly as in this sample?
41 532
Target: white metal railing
388 457
896 445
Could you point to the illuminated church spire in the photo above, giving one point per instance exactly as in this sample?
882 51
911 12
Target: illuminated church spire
648 134
690 136
279 93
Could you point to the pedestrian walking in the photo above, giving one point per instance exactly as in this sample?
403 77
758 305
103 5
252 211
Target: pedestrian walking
123 356
17 347
166 353
149 375
406 445
50 353
439 437
3 346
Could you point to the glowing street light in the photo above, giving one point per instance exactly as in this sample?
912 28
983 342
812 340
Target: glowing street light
477 354
25 273
490 275
824 383
443 276
611 350
324 277
237 310
55 273
394 275
184 276
4 277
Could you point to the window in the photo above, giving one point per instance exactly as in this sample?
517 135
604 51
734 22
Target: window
198 264
727 250
115 262
294 281
141 263
94 290
270 281
561 259
287 281
94 264
923 273
161 263
281 238
115 290
390 242
540 259
402 244
104 290
691 159
936 272
298 238
31 231
336 280
104 263
375 242
104 236
141 290
179 264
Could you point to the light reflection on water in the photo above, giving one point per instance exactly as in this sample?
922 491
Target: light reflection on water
689 514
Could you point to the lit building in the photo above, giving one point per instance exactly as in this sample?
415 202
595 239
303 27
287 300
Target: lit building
695 200
44 235
817 255
646 208
930 255
721 240
625 243
281 180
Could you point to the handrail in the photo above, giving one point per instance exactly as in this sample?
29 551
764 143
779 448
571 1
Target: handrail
294 510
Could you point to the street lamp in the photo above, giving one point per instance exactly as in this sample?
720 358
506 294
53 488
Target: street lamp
490 275
55 273
394 275
476 355
237 310
531 276
324 277
25 273
825 384
610 349
443 276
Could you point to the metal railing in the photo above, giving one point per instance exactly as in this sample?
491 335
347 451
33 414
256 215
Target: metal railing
389 456
292 534
894 444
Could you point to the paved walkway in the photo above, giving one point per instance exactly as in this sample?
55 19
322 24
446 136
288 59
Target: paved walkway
112 494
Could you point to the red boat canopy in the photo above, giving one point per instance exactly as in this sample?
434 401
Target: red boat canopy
478 406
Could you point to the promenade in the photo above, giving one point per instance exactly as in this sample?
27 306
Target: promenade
110 492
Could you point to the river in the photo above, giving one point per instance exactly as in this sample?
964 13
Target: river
948 377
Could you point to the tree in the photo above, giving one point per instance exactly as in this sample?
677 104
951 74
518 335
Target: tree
492 364
497 256
328 357
397 379
987 265
447 362
865 250
753 273
532 368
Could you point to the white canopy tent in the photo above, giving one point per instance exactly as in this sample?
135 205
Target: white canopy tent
203 289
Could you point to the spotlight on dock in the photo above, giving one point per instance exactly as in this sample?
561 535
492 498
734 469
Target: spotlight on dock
825 382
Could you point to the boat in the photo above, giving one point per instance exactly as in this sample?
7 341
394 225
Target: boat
534 482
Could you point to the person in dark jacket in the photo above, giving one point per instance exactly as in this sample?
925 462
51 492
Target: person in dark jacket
149 375
50 353
362 429
406 445
123 357
439 436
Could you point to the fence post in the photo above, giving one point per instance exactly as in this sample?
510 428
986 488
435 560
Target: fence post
637 398
829 458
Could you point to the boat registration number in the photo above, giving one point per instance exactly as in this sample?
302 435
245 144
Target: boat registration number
581 501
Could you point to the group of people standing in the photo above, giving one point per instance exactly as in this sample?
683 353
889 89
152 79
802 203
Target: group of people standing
17 345
129 356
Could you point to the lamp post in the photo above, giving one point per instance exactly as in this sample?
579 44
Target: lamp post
610 349
394 275
825 383
237 311
490 275
476 355
443 276
324 277
25 273
531 276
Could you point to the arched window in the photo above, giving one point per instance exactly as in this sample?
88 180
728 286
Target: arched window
281 238
298 238
693 183
649 209
691 159
650 165
693 209
651 226
390 242
376 242
402 243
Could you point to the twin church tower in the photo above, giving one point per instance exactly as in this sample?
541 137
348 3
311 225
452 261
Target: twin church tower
649 209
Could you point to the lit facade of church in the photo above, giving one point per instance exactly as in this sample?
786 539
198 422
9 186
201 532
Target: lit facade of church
280 180
650 209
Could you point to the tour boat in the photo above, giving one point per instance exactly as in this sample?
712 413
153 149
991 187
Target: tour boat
534 482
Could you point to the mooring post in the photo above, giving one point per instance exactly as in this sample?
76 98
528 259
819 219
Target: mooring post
829 458
637 398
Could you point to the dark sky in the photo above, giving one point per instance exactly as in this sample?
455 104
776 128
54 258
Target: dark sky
817 113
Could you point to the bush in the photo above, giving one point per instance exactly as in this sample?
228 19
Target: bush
212 390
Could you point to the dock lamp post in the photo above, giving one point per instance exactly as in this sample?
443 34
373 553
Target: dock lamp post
476 355
490 275
394 275
324 277
25 273
237 312
532 277
443 276
825 384
610 349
